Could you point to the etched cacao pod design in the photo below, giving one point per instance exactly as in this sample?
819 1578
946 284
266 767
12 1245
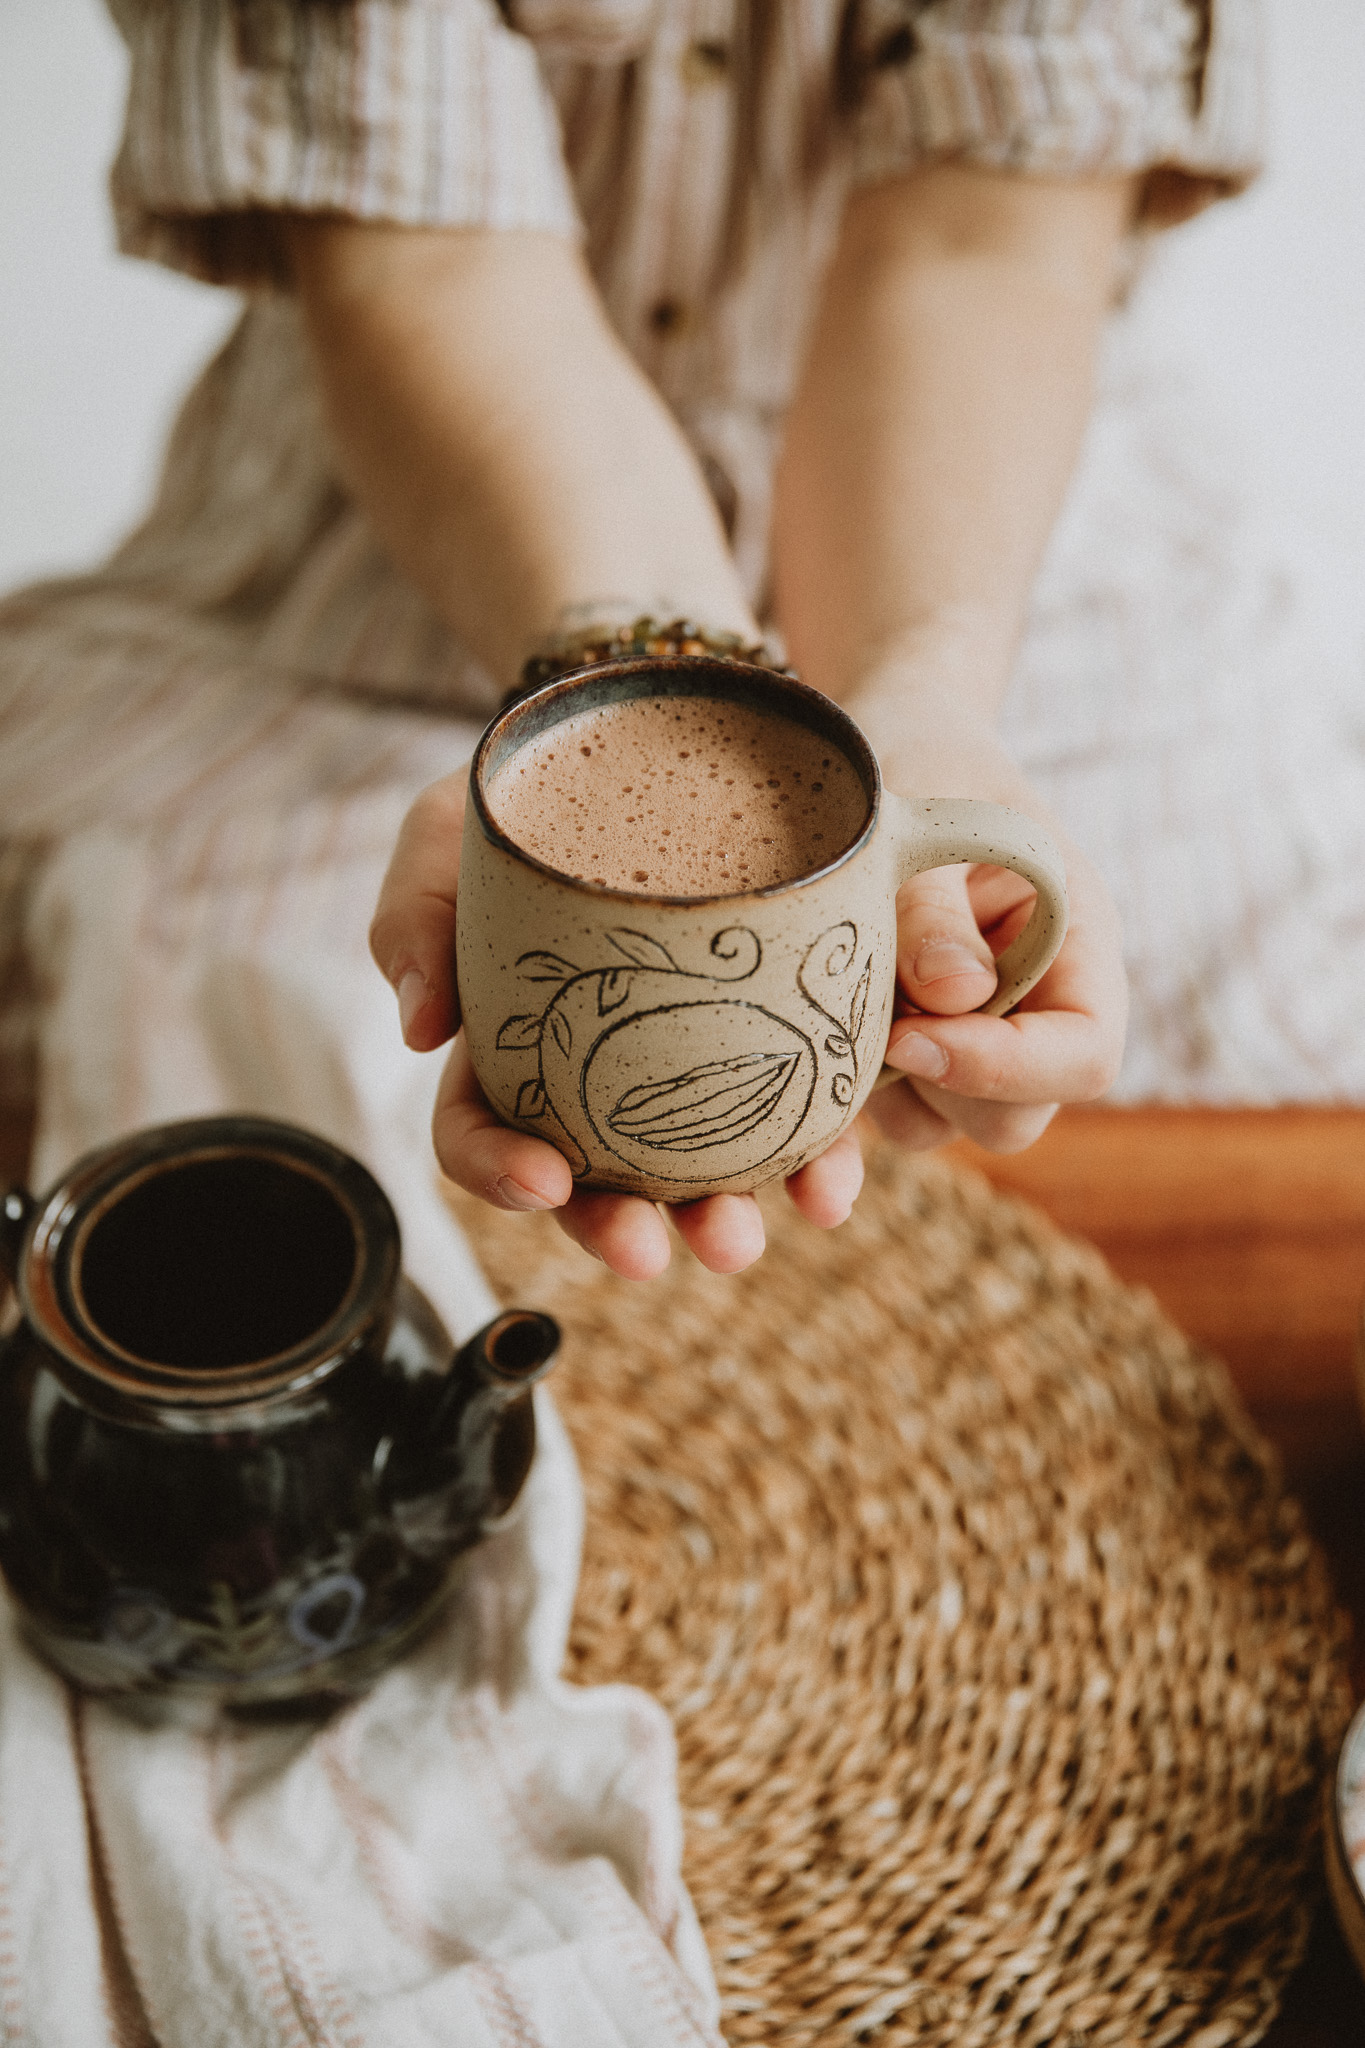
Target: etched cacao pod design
708 1105
681 1079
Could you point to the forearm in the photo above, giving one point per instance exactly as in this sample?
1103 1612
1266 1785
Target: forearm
944 397
511 457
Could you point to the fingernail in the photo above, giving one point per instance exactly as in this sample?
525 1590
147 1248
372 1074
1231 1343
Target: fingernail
515 1196
916 1054
937 959
413 995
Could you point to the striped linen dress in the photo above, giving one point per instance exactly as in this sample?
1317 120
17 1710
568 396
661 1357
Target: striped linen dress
206 747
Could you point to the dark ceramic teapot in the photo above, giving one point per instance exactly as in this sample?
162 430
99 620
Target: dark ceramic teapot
237 1459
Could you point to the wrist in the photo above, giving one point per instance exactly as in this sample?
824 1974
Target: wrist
918 708
932 738
952 656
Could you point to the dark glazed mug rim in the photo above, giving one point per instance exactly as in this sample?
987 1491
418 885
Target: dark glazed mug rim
107 1376
678 675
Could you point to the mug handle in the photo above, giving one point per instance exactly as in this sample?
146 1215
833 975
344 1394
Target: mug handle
940 832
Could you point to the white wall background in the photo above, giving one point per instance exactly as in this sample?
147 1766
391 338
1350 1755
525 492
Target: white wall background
95 349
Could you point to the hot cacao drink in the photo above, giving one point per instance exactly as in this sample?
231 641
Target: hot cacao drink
680 796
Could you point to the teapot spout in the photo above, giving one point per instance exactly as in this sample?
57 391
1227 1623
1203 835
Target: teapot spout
508 1355
464 1460
496 1428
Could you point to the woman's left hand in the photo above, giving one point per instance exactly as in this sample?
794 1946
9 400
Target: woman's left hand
999 1080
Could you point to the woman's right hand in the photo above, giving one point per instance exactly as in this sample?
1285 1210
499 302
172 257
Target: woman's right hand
412 939
412 934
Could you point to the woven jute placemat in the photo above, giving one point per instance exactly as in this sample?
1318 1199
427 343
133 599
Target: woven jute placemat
1004 1675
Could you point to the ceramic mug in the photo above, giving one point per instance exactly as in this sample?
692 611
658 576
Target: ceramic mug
681 1046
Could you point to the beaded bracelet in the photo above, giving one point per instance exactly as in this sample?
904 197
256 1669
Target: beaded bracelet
594 644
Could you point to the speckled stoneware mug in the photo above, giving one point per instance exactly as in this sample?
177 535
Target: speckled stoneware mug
681 1046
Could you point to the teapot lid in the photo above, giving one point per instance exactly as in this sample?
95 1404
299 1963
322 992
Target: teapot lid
206 1264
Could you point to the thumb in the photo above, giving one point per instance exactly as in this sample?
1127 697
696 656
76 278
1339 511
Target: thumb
412 937
943 962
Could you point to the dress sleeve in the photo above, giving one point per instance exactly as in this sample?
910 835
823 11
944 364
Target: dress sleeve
1169 88
422 112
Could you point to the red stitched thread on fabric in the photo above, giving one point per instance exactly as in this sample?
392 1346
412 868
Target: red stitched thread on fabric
257 1934
502 2009
341 2013
643 1952
129 2021
11 1983
367 1820
635 1938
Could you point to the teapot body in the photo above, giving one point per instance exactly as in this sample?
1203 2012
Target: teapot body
238 1461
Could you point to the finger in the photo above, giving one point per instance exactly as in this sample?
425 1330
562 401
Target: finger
625 1232
1063 1043
724 1231
919 1117
825 1190
994 1126
412 934
514 1171
943 962
480 1154
905 1117
1033 1057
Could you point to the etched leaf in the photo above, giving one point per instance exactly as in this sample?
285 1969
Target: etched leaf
837 1044
644 951
545 967
841 1088
563 1036
530 1099
613 988
709 1105
859 1009
518 1034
